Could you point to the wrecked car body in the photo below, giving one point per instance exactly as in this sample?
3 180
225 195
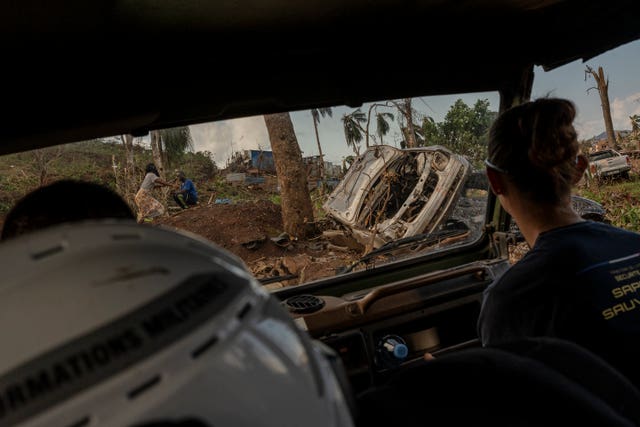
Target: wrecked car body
396 203
390 193
588 209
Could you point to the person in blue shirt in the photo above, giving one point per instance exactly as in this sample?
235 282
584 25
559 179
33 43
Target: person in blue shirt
187 195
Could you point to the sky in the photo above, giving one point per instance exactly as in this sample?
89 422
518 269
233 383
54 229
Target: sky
621 66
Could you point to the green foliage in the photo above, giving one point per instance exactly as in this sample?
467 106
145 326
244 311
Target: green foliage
431 131
464 129
627 216
199 166
20 173
91 161
226 190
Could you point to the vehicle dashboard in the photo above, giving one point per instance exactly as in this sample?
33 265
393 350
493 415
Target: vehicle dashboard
434 312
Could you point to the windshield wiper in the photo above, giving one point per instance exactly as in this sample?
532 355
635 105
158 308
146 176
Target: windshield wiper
422 240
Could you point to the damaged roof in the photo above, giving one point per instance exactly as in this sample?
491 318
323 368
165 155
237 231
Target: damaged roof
81 69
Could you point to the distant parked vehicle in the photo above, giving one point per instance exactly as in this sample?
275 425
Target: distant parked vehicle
608 163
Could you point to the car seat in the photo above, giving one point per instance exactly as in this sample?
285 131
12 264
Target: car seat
534 383
584 367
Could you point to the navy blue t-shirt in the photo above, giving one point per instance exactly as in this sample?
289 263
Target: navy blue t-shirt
188 186
579 282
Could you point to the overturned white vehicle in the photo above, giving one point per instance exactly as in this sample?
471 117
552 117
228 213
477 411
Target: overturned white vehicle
390 193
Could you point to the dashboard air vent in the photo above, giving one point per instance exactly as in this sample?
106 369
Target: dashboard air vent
304 304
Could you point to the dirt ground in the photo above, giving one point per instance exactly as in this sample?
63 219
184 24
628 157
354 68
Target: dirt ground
252 230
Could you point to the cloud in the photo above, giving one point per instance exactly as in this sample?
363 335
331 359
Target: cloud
589 128
621 109
226 137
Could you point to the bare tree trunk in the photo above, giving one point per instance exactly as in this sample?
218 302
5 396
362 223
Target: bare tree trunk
127 141
156 149
129 187
42 158
321 163
296 201
163 152
41 165
411 132
114 166
366 133
129 168
603 90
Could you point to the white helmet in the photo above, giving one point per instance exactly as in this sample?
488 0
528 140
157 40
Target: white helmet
118 324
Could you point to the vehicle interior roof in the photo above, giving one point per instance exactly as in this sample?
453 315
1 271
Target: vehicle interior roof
77 70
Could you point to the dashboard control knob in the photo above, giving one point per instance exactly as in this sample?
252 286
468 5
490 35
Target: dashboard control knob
391 351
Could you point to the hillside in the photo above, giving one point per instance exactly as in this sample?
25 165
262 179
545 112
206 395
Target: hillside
603 135
95 161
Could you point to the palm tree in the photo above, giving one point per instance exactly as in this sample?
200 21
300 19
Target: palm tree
382 125
175 141
316 113
168 145
353 129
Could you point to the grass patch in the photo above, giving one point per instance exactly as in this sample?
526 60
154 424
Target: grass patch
620 198
276 199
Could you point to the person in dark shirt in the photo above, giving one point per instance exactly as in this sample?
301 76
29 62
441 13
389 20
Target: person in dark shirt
187 195
63 201
580 281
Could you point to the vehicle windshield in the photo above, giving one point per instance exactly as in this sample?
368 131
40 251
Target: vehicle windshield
602 155
361 187
385 181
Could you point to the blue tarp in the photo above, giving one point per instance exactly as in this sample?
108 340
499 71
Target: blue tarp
263 160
